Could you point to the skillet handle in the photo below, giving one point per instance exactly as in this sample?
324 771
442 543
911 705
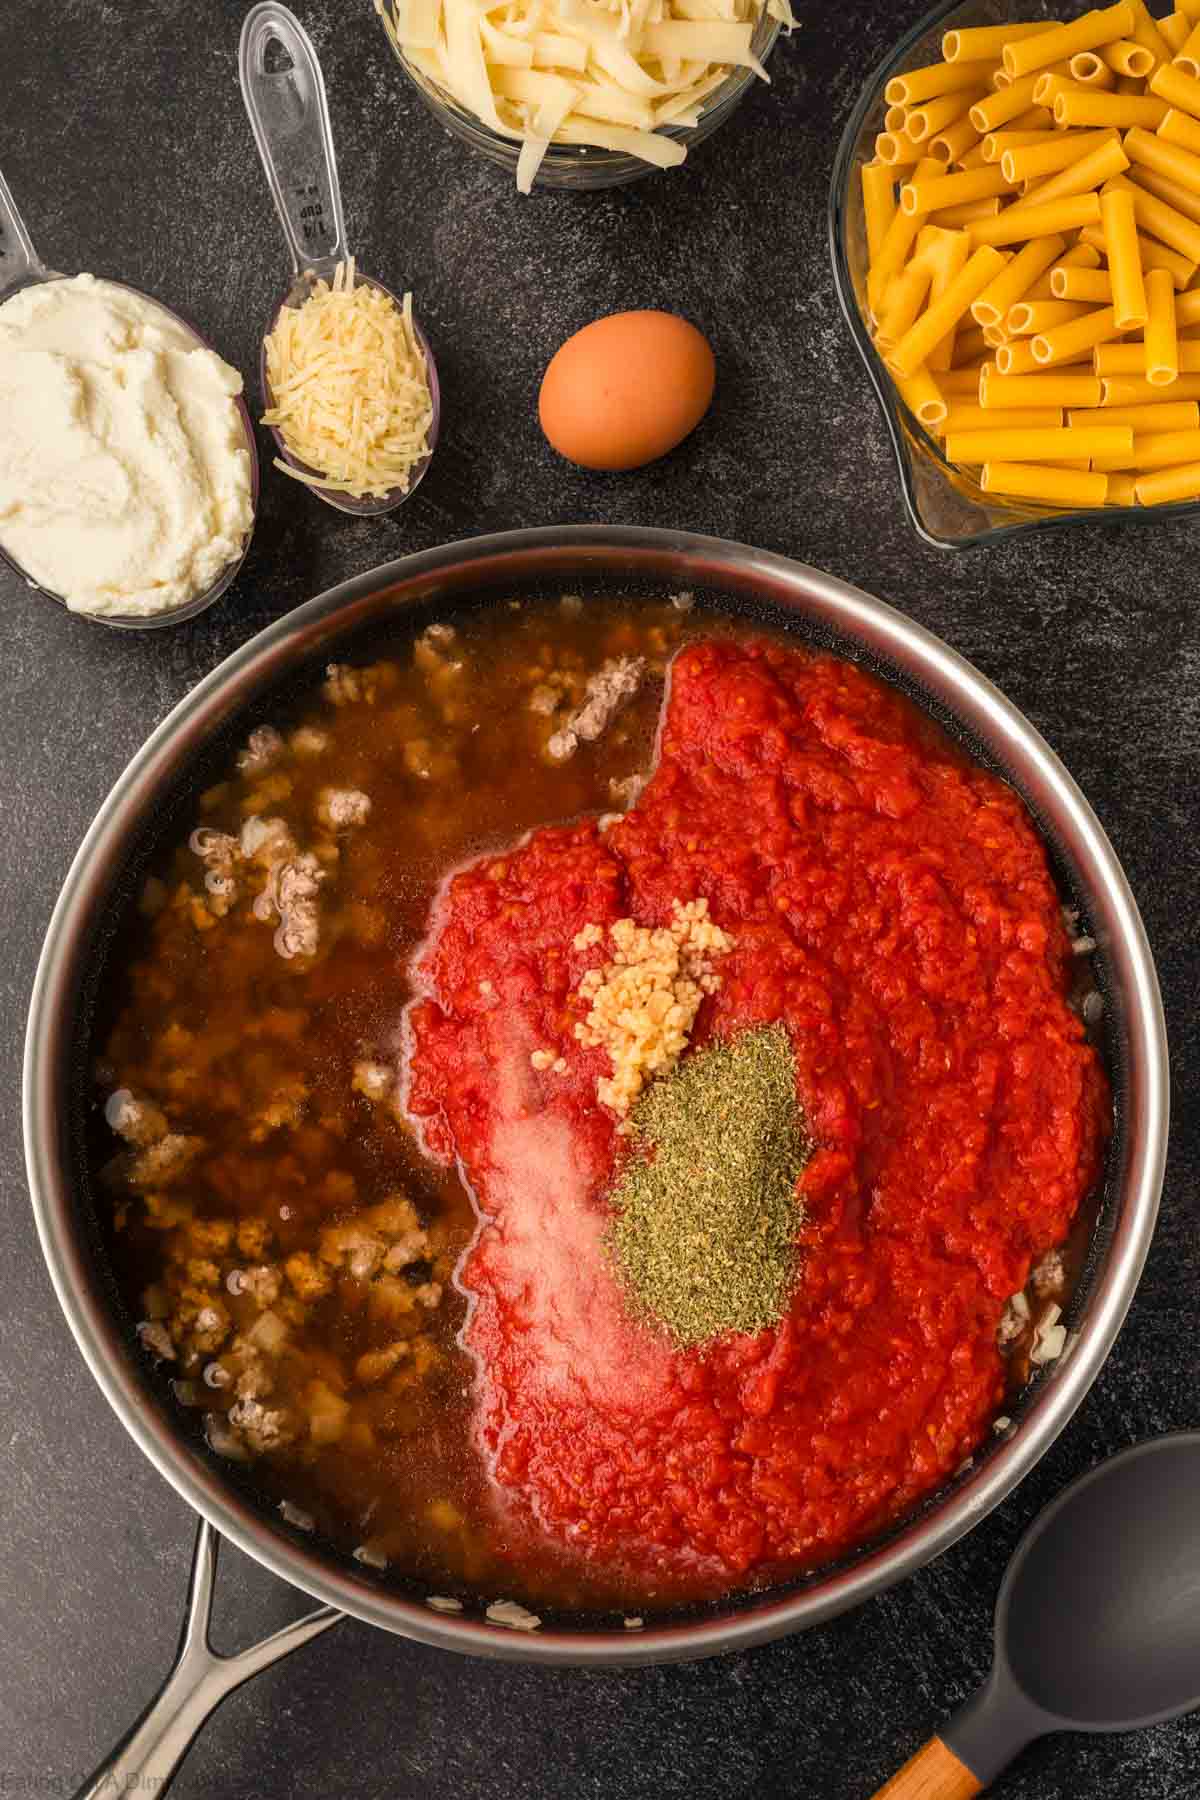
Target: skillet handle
152 1749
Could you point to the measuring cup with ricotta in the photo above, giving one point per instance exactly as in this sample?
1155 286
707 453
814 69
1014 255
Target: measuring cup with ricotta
128 473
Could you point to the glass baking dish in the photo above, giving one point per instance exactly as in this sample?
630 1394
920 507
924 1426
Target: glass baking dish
946 505
579 166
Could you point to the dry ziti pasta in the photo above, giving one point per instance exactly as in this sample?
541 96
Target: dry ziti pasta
1032 220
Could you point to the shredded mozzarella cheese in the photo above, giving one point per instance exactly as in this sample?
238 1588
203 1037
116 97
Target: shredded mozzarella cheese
349 389
606 73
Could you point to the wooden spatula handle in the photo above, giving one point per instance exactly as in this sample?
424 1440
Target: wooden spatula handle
934 1773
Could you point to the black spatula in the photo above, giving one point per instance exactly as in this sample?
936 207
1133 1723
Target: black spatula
1097 1623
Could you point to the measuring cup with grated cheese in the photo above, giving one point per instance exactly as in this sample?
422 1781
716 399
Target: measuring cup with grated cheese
348 375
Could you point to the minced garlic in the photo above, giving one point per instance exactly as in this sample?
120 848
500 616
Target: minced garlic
644 1001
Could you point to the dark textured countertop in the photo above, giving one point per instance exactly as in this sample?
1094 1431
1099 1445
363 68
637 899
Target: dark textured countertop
123 136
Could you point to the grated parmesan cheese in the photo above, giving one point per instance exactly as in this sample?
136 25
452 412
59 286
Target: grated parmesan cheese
349 389
605 73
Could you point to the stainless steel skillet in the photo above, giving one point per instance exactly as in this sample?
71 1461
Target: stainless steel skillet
597 560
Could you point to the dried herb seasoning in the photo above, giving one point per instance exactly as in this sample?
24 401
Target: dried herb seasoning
705 1209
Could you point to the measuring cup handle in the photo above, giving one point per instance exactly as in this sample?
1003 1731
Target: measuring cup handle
18 258
284 94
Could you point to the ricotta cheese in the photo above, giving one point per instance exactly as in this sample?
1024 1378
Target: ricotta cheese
125 482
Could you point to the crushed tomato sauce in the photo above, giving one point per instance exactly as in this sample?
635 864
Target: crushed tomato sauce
892 904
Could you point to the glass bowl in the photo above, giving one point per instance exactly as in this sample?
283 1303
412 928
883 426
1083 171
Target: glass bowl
946 505
579 166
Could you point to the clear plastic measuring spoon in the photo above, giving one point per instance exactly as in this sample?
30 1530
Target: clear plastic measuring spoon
284 93
22 267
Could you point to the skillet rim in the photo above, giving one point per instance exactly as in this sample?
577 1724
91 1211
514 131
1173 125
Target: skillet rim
679 558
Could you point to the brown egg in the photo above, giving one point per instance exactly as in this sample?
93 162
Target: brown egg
626 389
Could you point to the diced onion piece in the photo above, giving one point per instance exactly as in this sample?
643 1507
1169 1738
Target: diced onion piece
327 1413
1049 1338
268 1333
1049 1346
512 1614
223 1439
370 1556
